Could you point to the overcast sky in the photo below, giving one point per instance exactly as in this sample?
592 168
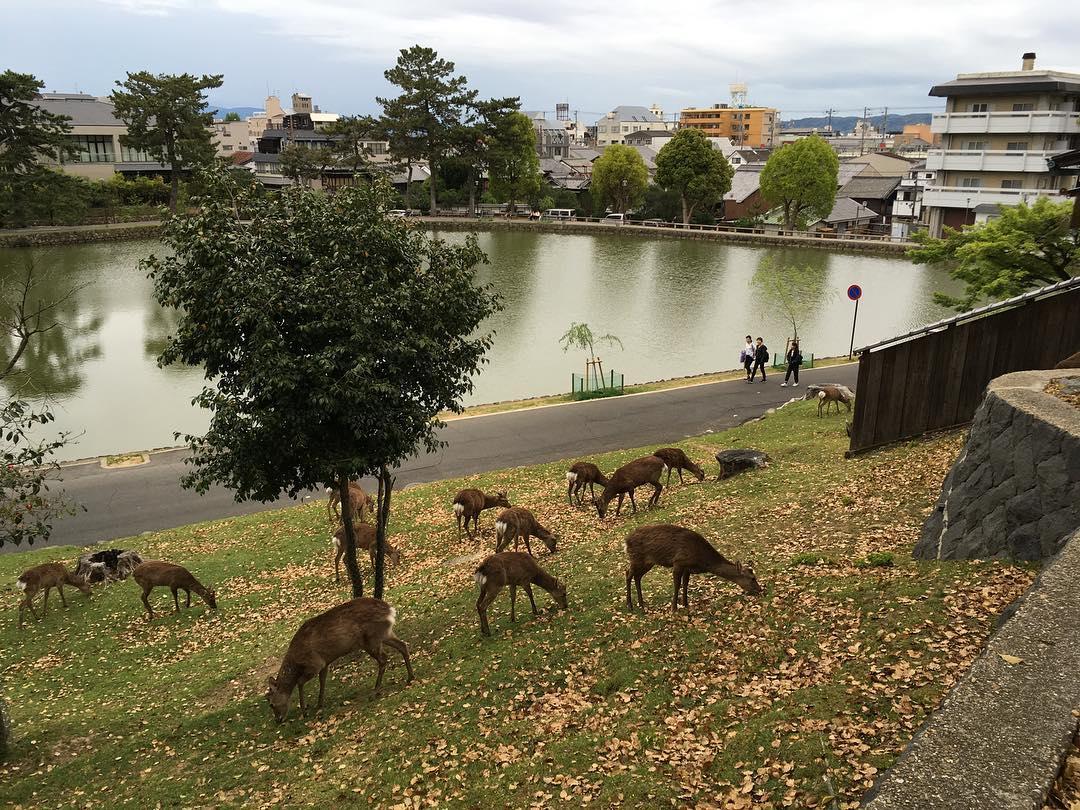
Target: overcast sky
800 56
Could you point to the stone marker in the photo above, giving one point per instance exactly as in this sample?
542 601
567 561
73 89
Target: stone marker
733 462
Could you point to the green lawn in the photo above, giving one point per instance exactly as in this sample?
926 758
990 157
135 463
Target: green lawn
793 699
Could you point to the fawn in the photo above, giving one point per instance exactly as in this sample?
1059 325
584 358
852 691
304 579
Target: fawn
677 460
645 470
518 523
830 394
359 624
516 570
468 505
154 573
360 503
685 552
42 578
582 474
365 539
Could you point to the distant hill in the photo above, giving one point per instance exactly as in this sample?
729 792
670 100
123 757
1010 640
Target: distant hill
846 123
243 112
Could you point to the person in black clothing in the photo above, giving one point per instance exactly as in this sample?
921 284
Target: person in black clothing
761 357
794 360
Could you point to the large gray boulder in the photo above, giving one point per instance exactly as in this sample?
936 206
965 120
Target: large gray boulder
733 462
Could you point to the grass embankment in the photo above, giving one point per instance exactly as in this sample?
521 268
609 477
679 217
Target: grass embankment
792 699
639 388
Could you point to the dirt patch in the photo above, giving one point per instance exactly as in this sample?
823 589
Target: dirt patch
125 460
1066 388
463 559
251 682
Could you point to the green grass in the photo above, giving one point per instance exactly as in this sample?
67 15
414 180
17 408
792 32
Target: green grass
791 699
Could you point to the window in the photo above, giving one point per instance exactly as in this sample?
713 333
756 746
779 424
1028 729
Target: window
1010 184
1026 106
1016 146
971 182
978 108
92 148
227 147
976 146
129 154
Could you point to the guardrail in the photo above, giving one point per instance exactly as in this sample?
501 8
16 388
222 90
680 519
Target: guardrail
766 231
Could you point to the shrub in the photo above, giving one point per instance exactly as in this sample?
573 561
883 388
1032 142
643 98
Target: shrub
876 559
807 558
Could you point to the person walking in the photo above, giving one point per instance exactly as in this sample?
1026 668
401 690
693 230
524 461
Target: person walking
746 356
794 360
761 357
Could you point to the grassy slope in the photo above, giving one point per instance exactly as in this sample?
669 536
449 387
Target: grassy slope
786 700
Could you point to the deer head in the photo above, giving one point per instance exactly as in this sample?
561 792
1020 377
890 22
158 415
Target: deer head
502 500
211 598
550 542
278 698
558 593
745 578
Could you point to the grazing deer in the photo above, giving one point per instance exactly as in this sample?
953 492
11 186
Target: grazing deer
468 505
154 573
582 474
518 523
365 539
42 578
685 552
833 394
641 471
677 460
516 570
360 503
359 624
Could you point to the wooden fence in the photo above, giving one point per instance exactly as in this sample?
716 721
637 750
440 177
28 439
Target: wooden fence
935 380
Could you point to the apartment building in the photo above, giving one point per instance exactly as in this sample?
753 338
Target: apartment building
231 137
625 119
755 127
997 131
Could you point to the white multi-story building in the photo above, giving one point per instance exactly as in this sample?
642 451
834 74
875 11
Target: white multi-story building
907 207
620 122
997 131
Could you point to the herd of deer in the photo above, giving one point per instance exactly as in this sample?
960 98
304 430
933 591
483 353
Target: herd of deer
367 625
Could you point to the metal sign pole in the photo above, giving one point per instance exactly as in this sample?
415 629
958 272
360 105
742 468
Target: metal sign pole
851 348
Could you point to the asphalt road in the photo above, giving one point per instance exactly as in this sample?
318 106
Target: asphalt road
126 502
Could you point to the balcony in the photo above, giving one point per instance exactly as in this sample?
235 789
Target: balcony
965 197
987 160
1033 121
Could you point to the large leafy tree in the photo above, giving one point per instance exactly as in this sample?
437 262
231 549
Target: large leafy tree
689 166
333 337
619 178
424 116
1027 246
475 138
514 165
352 135
166 117
304 164
800 178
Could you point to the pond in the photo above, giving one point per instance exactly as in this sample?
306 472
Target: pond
680 307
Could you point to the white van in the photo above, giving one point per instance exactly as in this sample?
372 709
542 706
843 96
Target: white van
615 219
559 213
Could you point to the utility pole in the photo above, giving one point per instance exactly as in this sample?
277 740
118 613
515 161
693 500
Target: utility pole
829 113
885 126
862 131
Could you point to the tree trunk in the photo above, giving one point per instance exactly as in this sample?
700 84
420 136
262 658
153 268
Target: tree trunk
174 190
685 210
472 192
431 187
351 565
408 184
382 517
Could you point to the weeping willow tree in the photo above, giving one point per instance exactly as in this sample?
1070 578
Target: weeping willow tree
580 336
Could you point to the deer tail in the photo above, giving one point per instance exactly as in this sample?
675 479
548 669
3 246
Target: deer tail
459 509
20 583
571 477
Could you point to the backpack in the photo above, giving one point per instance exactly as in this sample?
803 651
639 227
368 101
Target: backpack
766 360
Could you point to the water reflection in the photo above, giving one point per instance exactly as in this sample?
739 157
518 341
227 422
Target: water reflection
679 306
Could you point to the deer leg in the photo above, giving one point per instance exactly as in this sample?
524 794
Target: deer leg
680 477
528 548
303 703
655 499
381 658
529 593
188 597
456 515
341 553
402 648
669 475
176 599
513 601
487 596
322 687
637 581
629 576
60 588
633 503
685 591
146 601
676 573
592 491
45 603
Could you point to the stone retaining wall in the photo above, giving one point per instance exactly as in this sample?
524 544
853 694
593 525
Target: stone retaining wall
1015 490
592 228
38 237
1000 737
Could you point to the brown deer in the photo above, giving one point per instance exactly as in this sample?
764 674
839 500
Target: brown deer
516 570
468 505
43 578
677 460
365 539
359 624
685 552
155 573
360 502
641 471
583 474
518 523
833 394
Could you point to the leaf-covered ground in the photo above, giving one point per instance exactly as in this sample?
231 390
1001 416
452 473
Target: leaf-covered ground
794 699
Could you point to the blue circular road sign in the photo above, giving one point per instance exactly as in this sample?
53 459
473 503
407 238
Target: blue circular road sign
854 292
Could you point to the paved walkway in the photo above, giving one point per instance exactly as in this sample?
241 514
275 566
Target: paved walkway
126 502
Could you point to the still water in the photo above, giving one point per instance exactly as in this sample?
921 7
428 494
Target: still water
679 307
